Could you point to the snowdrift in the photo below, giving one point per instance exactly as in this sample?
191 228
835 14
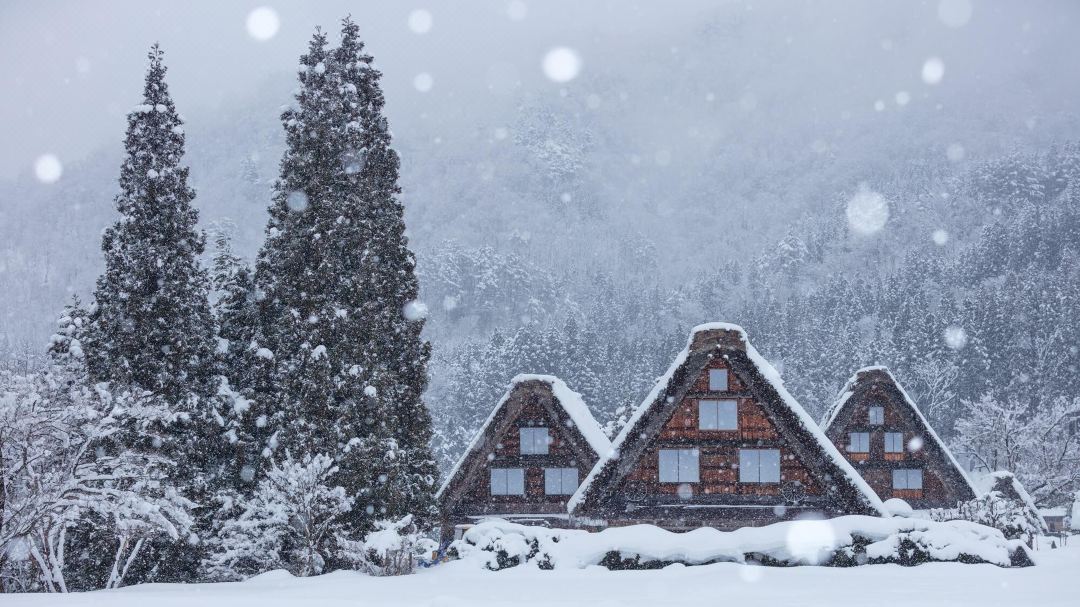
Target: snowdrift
840 542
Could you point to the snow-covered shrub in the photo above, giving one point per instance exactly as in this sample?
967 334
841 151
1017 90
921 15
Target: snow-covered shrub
393 548
291 521
1009 516
59 466
839 542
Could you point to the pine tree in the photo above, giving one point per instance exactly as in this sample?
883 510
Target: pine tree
151 334
152 327
341 318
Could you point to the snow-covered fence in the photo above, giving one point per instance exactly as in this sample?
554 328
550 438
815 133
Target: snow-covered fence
839 542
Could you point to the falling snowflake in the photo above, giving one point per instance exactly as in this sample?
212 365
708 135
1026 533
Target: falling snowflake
47 168
933 70
420 21
915 444
296 201
263 23
940 237
561 64
517 10
247 473
954 13
879 106
903 98
423 82
955 152
370 391
867 212
955 337
415 310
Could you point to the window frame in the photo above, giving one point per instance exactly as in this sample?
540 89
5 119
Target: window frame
562 474
907 475
506 474
852 447
713 407
750 465
532 442
683 470
727 380
870 415
900 444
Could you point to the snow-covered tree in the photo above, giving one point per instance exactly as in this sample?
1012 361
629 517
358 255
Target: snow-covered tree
291 521
341 318
60 466
152 326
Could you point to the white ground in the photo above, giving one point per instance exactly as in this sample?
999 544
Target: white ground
1052 582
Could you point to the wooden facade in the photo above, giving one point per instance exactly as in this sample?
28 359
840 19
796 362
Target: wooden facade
533 407
756 459
887 439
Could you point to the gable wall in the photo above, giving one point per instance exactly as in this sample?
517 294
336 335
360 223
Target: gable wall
719 449
477 498
876 467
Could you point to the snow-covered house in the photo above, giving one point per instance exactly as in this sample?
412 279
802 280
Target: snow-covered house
885 436
527 458
719 442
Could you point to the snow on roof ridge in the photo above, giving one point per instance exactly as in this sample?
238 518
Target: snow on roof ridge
847 391
772 376
570 401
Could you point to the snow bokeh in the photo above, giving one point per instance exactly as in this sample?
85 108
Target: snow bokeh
867 212
955 337
810 540
933 70
517 10
903 98
423 82
48 168
420 21
954 13
561 64
955 152
263 23
297 201
940 237
415 310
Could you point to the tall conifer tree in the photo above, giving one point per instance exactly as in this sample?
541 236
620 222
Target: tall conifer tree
340 310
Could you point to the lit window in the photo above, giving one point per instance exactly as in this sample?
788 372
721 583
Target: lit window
877 416
560 481
679 465
718 380
894 442
759 465
534 441
718 415
858 442
907 479
507 481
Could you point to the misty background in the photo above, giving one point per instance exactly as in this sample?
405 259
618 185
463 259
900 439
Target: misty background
701 166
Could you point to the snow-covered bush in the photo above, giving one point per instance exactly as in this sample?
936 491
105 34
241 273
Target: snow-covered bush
1011 517
292 521
59 466
840 542
393 548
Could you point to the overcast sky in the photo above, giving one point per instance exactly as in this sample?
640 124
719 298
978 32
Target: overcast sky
70 70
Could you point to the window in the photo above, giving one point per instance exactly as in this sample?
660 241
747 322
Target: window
718 415
679 465
907 479
507 481
718 380
560 481
894 442
877 416
858 442
534 441
759 465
